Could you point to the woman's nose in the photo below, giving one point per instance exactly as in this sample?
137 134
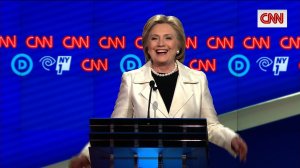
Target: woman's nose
161 42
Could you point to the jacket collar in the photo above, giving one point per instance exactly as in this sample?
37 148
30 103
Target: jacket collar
183 91
145 75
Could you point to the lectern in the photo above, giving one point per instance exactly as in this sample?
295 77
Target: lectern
155 142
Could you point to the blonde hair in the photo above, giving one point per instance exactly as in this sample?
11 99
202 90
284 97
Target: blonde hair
175 23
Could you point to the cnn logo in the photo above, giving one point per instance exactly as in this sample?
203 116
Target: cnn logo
272 18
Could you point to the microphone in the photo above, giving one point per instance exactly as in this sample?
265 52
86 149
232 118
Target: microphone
152 86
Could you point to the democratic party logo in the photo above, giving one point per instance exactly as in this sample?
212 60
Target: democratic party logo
280 64
272 18
21 64
63 63
239 65
130 62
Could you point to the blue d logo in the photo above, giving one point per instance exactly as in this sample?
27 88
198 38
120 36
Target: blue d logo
239 65
130 62
21 64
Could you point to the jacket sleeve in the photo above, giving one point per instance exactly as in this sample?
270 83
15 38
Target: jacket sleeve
217 133
85 151
123 106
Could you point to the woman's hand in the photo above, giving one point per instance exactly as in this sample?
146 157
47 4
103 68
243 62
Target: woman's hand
239 146
80 161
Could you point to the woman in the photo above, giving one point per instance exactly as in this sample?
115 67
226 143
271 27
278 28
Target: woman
182 92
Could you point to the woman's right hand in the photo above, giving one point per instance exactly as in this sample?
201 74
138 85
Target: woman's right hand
80 161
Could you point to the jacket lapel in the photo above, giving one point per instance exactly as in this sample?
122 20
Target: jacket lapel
183 91
156 100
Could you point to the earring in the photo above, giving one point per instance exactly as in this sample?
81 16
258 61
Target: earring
177 52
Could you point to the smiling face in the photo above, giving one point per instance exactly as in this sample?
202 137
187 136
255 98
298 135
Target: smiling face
162 44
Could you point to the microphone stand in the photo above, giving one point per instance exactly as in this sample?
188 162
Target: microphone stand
152 83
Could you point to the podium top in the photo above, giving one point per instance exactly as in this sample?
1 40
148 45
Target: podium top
153 132
149 121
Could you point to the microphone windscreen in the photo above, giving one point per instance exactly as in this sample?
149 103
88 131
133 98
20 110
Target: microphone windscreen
152 83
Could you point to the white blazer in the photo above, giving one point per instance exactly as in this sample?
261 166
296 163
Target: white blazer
192 99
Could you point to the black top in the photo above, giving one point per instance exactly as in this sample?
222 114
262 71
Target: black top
166 86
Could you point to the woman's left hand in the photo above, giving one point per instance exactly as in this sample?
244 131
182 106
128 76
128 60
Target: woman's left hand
239 146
